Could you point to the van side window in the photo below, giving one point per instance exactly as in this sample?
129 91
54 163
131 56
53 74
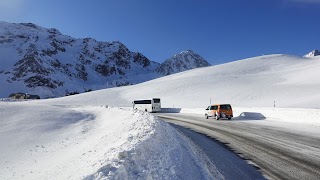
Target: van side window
222 106
228 107
213 107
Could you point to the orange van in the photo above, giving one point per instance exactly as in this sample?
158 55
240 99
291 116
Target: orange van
219 111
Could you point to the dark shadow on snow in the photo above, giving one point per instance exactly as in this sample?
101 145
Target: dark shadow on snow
170 110
250 116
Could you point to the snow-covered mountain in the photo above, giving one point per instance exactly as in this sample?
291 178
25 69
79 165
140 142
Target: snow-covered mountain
43 61
313 53
186 60
79 137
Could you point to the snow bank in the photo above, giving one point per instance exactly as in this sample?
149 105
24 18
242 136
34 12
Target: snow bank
93 142
291 115
164 155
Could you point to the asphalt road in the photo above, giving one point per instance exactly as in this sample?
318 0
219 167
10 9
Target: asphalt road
280 153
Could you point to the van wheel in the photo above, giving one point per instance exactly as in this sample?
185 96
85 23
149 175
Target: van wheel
229 117
217 117
206 116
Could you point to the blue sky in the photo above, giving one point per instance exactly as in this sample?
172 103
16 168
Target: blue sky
218 30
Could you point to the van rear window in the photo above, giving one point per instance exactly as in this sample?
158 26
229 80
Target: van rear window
225 107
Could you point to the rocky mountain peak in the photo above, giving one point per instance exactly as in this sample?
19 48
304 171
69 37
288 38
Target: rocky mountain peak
313 53
187 51
183 61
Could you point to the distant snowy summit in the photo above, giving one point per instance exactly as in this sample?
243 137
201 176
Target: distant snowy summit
313 53
43 61
183 61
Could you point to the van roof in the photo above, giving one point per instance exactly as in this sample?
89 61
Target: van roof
219 104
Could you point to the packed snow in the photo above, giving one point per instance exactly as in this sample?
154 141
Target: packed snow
97 135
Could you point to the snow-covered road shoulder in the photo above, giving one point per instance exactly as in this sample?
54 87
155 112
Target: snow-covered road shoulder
59 142
300 116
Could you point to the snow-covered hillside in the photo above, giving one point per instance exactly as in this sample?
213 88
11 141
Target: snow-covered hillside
289 81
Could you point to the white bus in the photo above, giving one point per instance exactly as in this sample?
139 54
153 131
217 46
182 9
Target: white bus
148 105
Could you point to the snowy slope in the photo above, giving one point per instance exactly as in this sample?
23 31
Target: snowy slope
290 81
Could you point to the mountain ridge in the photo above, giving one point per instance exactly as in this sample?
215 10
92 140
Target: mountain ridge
43 61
